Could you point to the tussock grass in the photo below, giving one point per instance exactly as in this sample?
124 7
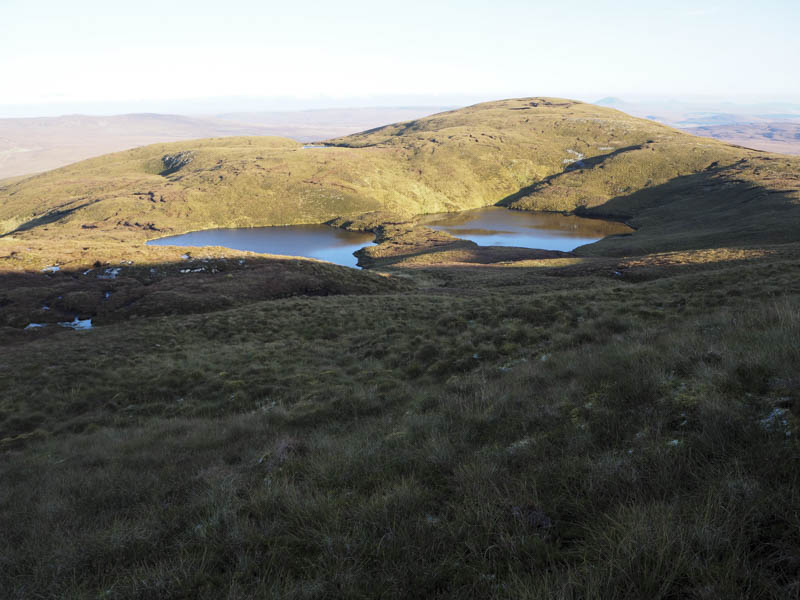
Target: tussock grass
623 423
600 438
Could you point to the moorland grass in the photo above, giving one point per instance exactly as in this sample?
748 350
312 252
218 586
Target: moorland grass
521 152
617 423
600 438
624 446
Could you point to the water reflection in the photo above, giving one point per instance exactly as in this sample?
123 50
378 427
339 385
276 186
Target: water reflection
496 226
312 241
493 226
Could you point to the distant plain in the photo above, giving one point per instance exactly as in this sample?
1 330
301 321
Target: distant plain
32 145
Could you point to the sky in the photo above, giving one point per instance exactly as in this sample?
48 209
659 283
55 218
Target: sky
200 55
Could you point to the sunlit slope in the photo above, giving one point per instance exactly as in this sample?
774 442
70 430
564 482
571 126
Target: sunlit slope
532 153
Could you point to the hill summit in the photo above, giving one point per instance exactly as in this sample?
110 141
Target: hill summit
529 153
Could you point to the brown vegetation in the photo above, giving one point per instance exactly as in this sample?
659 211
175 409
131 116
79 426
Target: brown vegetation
618 422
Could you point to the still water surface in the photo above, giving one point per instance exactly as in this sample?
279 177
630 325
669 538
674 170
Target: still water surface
313 241
493 226
496 226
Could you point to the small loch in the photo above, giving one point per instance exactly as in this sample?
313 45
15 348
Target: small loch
496 226
312 241
492 226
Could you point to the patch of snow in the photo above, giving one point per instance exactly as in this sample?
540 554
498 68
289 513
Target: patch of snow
45 307
185 256
35 325
605 148
87 271
198 270
77 324
53 269
106 295
674 443
110 273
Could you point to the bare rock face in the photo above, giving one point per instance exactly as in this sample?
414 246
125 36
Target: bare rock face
175 162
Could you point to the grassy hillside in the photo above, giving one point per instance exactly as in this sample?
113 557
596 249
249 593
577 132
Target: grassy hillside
538 154
454 422
34 145
623 429
753 202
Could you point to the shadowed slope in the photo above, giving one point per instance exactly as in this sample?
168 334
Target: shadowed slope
753 202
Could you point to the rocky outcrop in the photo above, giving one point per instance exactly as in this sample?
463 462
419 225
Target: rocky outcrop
175 162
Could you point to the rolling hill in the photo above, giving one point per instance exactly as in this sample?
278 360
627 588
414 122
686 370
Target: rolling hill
531 154
771 127
32 145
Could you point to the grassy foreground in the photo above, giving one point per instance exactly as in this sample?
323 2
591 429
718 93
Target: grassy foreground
458 422
562 432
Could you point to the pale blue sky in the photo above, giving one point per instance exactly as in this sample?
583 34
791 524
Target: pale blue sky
94 53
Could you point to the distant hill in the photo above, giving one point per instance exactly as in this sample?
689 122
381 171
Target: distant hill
775 136
767 126
319 124
610 101
40 144
696 112
531 154
32 145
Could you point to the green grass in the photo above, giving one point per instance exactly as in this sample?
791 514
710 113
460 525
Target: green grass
621 422
206 280
597 439
679 191
462 159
